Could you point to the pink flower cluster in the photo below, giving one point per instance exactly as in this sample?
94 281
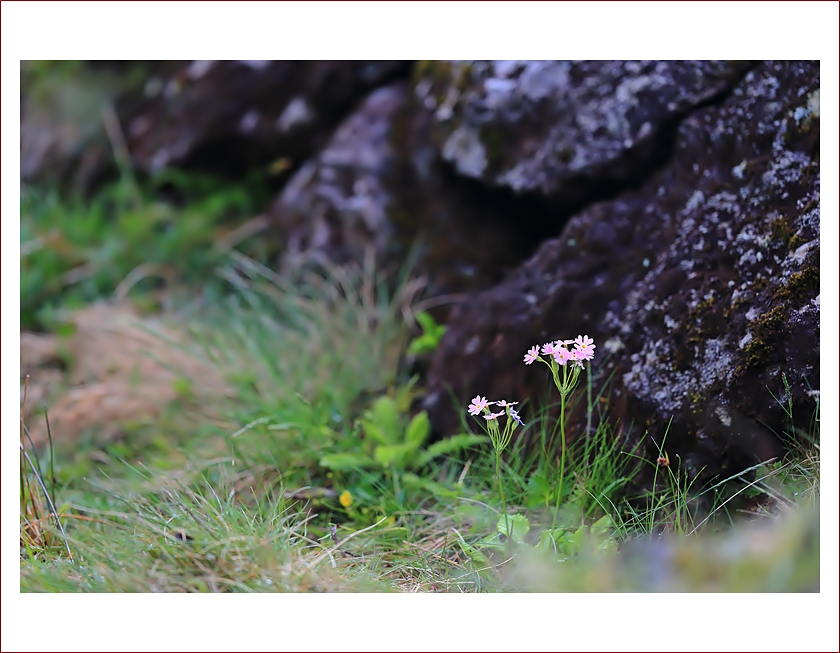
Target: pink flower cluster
558 349
479 404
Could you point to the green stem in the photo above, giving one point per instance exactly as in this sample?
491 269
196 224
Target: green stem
562 459
502 494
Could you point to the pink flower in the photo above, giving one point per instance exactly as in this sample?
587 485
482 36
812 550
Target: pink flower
561 355
548 349
478 404
504 403
585 346
532 354
490 416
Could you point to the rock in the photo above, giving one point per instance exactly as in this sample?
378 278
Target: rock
225 117
562 129
701 289
234 115
378 185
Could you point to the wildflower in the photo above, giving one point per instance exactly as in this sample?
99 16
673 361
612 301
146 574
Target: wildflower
478 404
548 349
504 403
515 416
578 356
490 416
345 498
561 355
532 354
584 345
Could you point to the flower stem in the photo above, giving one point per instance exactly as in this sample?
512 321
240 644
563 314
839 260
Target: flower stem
562 459
502 494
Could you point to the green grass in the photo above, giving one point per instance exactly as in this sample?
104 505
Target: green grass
125 242
319 476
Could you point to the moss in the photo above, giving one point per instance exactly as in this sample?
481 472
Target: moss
800 287
765 336
494 146
781 230
696 401
439 73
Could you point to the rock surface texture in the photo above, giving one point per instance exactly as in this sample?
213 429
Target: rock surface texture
701 287
558 128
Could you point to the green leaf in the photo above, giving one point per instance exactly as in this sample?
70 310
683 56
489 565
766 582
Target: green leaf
426 322
393 454
451 445
414 482
374 432
421 345
603 527
346 461
546 542
418 430
519 527
384 416
475 555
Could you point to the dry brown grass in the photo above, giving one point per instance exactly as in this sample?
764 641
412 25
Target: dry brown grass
122 368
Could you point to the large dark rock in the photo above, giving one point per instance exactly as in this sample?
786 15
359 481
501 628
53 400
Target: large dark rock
237 114
562 128
701 288
378 185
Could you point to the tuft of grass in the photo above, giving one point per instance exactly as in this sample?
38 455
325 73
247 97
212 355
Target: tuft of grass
37 502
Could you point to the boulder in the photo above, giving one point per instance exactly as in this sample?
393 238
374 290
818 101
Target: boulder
378 185
563 129
701 287
234 115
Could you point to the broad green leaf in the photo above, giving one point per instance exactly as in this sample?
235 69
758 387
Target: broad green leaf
546 542
346 461
451 445
385 416
538 484
418 483
603 527
519 527
393 454
374 432
418 430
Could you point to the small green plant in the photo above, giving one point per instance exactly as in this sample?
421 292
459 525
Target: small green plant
428 341
395 445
